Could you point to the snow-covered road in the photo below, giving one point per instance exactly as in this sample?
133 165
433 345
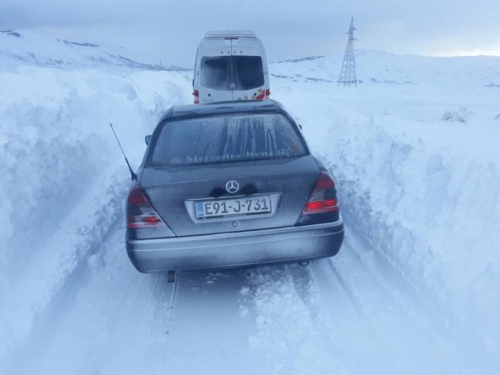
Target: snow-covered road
110 319
414 290
354 314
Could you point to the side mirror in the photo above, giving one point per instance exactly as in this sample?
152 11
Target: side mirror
147 139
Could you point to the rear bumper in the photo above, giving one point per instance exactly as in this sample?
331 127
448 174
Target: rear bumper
278 245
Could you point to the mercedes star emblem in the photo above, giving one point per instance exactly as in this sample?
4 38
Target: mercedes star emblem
232 187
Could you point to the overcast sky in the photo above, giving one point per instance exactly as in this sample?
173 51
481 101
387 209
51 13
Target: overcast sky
171 29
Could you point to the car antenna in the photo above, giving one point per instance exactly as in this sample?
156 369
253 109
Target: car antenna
133 176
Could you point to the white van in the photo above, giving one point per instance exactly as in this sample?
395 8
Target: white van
230 65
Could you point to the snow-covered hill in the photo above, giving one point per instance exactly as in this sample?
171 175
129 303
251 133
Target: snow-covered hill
414 290
20 47
374 67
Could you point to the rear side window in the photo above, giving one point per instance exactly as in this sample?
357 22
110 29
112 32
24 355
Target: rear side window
216 72
244 72
222 139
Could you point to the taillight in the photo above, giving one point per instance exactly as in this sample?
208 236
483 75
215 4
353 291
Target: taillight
140 213
196 95
324 197
268 93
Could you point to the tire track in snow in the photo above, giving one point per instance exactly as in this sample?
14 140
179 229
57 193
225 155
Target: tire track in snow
396 281
349 291
108 320
325 327
44 321
138 330
406 280
120 321
161 312
351 331
394 329
287 325
50 274
207 328
349 319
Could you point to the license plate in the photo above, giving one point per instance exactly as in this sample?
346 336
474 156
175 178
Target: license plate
233 207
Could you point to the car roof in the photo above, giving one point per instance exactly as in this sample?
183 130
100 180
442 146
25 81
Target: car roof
222 108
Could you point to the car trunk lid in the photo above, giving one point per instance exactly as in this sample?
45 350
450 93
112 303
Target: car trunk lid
290 181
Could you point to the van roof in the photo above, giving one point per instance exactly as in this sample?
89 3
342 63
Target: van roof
227 34
222 108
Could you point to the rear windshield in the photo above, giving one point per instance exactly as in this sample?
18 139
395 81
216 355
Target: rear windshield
232 72
221 139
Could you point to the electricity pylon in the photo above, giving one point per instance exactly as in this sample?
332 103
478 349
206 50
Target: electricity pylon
347 75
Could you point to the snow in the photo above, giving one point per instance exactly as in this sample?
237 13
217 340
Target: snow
63 176
387 69
414 289
23 47
423 191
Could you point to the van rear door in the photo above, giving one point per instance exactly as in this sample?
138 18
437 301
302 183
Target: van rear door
216 81
249 70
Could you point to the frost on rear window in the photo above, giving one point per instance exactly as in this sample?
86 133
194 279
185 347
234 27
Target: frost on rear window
232 72
224 139
248 72
216 73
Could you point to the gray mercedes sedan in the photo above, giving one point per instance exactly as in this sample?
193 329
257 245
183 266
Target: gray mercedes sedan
229 185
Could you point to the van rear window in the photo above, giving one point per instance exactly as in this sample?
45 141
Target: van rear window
244 72
248 72
216 72
230 138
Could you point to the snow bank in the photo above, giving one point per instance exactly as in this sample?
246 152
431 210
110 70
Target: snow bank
423 192
433 207
63 178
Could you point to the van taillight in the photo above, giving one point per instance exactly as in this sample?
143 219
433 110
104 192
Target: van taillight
268 93
324 197
196 95
140 213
